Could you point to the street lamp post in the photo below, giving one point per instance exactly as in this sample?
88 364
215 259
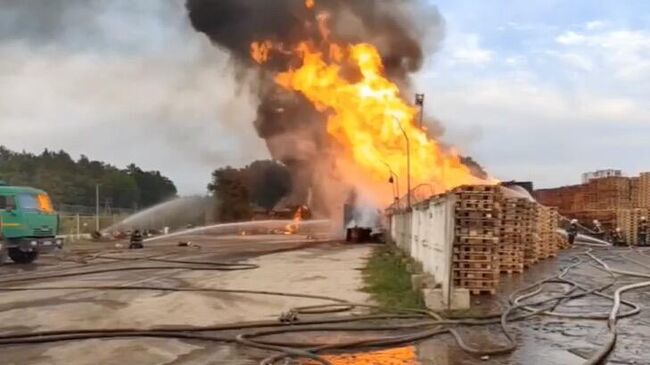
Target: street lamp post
394 179
408 164
97 207
419 101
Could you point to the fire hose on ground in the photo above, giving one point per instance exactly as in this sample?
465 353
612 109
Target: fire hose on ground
413 325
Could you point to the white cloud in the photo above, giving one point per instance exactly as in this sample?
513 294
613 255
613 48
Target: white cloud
571 38
556 99
516 61
621 52
576 60
533 131
595 24
466 49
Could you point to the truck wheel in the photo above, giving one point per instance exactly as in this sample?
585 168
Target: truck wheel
3 253
21 257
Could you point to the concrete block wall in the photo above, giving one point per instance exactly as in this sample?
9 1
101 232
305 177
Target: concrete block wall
426 233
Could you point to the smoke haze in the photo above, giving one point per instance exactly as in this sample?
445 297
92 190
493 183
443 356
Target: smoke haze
122 81
293 130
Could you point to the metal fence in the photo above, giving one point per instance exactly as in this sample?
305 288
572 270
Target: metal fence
67 209
77 225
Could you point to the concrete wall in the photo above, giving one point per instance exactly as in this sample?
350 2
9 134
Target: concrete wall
426 234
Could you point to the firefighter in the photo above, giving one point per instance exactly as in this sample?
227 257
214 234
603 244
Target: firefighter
617 237
642 233
572 231
598 230
136 241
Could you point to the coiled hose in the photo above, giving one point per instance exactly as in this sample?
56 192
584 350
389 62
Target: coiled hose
412 325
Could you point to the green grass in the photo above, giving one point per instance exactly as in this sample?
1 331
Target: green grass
388 281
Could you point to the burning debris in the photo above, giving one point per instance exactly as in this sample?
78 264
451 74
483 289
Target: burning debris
331 77
293 228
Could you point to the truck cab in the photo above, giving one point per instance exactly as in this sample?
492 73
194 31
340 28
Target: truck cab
28 224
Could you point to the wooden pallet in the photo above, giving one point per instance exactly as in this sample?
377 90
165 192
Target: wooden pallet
475 204
477 223
462 265
471 232
475 214
458 258
628 220
476 240
475 249
475 274
478 189
512 268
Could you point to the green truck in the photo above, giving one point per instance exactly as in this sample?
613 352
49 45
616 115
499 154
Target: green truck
28 224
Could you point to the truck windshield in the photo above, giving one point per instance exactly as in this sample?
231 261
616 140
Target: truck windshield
35 202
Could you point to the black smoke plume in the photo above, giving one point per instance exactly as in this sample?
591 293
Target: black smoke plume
293 130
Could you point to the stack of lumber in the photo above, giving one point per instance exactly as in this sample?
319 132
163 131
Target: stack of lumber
515 232
643 193
562 242
628 221
547 225
477 227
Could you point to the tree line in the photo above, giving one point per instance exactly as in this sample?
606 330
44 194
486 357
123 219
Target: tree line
238 191
71 182
262 184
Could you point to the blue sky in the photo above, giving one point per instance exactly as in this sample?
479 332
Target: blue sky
544 90
538 90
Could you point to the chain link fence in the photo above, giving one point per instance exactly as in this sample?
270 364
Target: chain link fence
84 210
82 225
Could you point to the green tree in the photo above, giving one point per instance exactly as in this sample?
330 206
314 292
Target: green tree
236 191
232 198
73 182
267 182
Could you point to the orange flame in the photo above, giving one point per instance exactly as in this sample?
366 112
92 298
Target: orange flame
309 4
367 119
398 356
260 51
293 227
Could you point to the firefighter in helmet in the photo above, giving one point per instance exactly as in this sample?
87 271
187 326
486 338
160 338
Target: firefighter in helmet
572 231
136 240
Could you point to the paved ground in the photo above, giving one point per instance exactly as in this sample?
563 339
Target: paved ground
286 263
545 340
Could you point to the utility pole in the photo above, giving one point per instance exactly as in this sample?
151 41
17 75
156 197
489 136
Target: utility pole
408 165
419 101
78 221
97 207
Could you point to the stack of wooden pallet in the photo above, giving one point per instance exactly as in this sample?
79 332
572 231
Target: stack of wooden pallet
628 221
514 233
532 247
643 194
562 242
477 221
547 224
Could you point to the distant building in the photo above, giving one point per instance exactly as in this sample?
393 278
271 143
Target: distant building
600 197
599 174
